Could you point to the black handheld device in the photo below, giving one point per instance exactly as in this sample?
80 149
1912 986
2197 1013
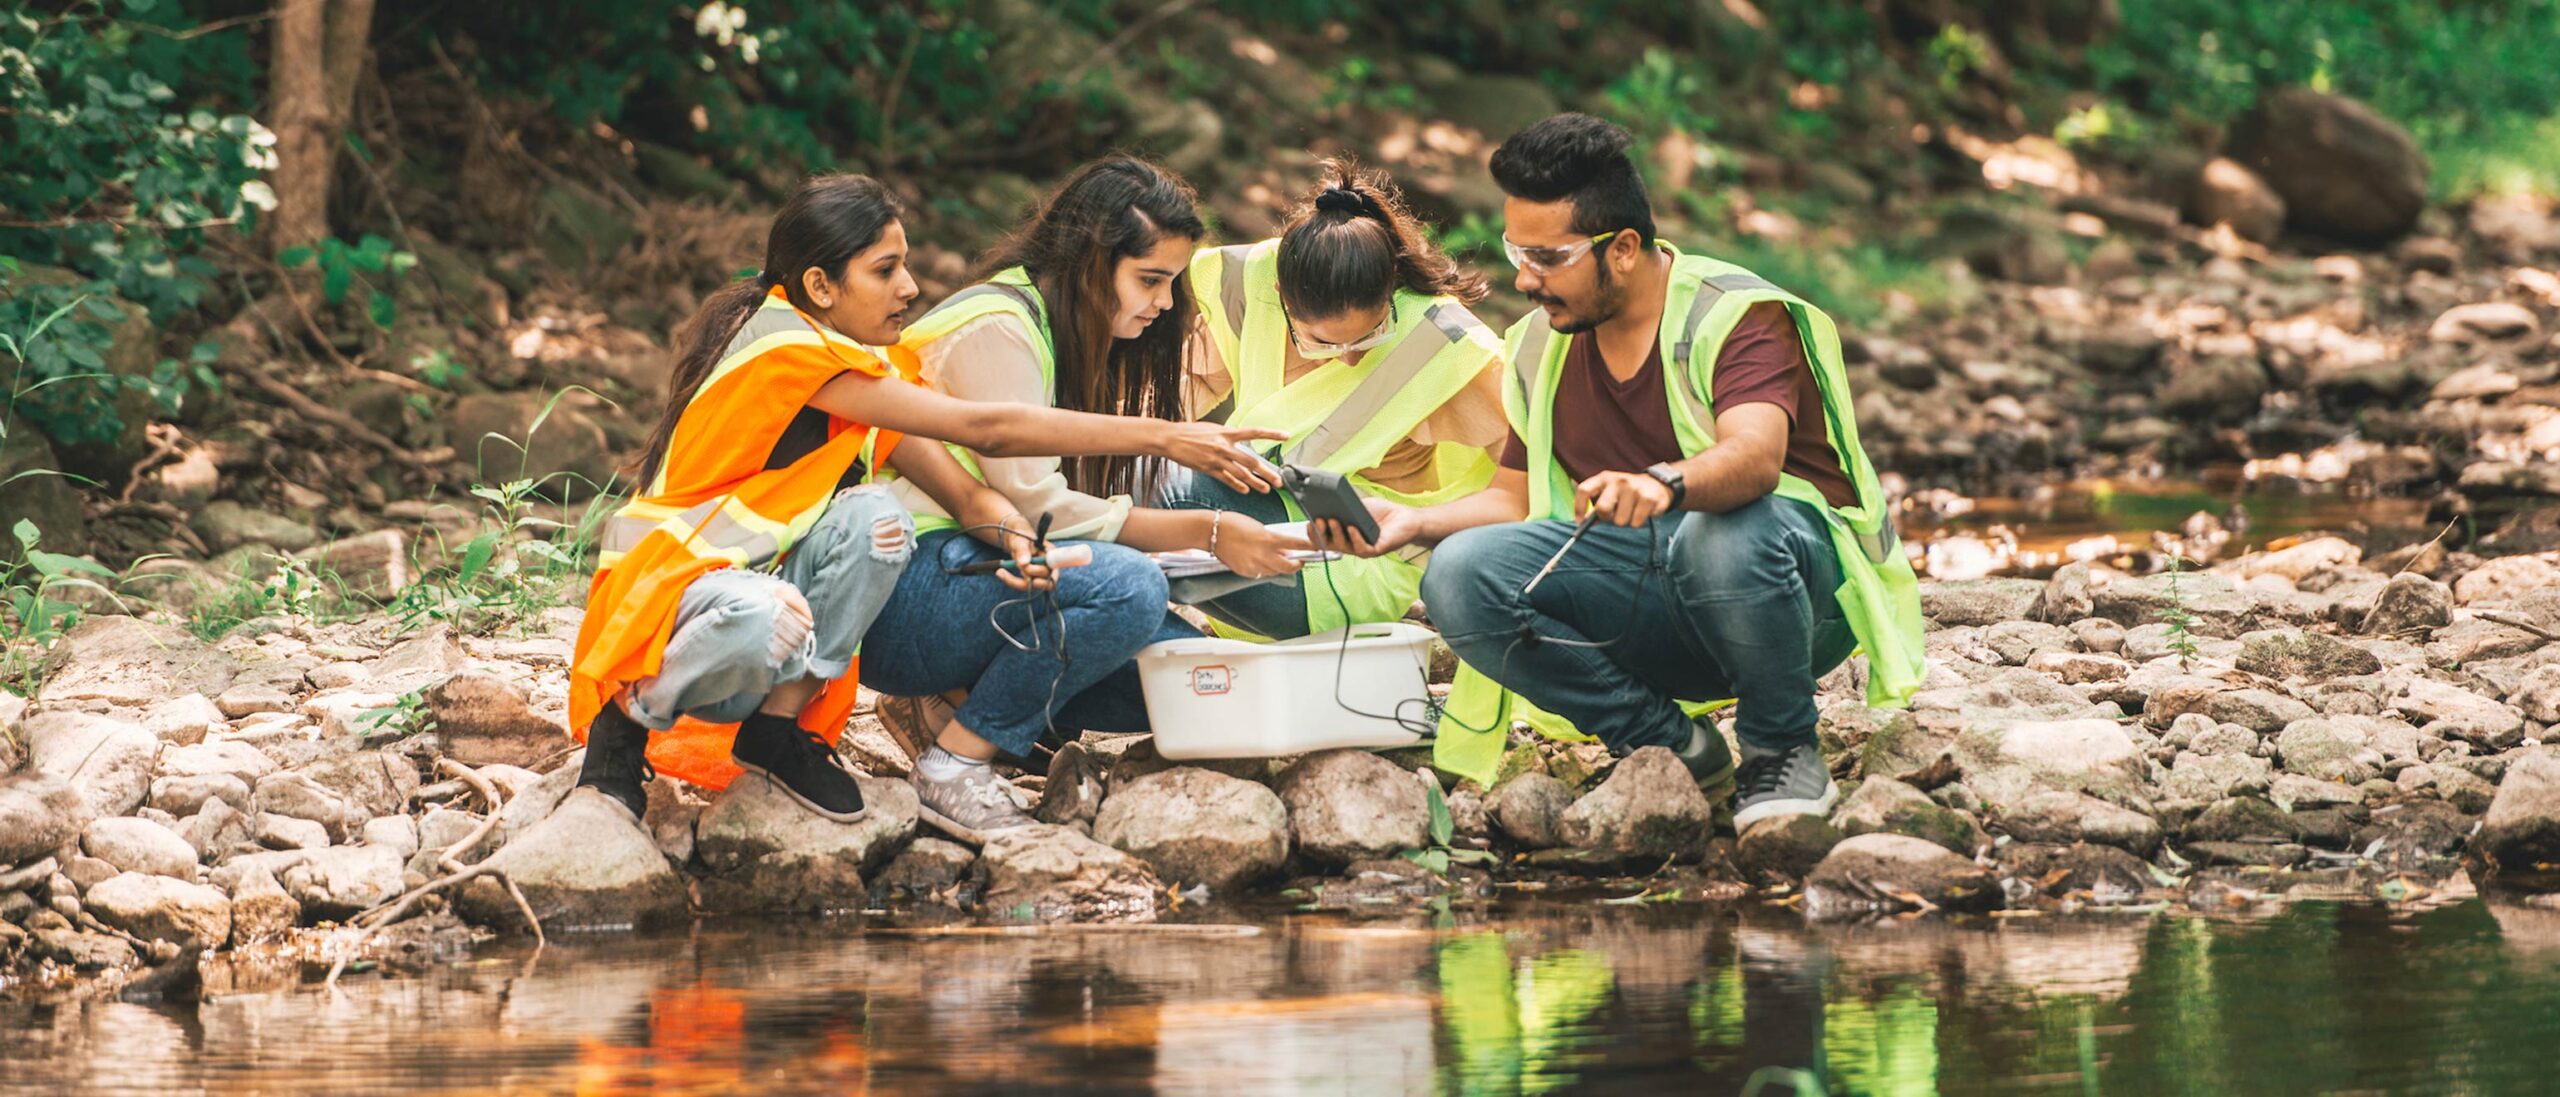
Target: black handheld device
1328 495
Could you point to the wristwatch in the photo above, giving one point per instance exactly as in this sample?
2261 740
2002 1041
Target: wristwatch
1671 478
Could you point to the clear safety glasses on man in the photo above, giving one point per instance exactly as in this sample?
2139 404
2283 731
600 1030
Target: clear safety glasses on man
1547 259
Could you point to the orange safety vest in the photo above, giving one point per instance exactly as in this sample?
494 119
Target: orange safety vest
714 504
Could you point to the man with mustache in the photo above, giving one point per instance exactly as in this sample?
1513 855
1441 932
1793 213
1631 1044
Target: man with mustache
1683 512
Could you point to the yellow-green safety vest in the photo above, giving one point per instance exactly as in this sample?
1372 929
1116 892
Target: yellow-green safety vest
1878 594
1007 291
1344 416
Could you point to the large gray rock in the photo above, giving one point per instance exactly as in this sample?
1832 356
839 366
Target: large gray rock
139 845
298 796
2522 829
2203 778
226 525
182 721
2063 818
107 760
2316 748
37 815
2457 713
377 782
343 881
1049 873
184 796
220 756
586 865
261 910
2219 608
2005 765
1650 807
482 718
1530 810
128 661
2409 603
1981 602
1196 827
217 830
2344 171
1881 805
1784 847
1891 872
766 852
2309 656
929 868
2262 711
158 908
1349 805
2226 193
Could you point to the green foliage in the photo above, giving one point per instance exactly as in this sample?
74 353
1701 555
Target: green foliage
2181 622
111 172
32 616
2476 83
1356 81
1661 93
343 267
906 81
1958 53
405 716
1440 854
292 589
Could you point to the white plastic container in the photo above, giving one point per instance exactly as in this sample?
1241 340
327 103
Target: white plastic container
1210 698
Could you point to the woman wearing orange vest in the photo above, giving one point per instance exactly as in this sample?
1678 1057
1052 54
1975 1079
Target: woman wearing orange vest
736 588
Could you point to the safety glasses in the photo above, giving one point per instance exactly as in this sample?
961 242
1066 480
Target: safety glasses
1543 260
1314 349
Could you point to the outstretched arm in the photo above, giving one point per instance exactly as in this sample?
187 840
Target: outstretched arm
1017 430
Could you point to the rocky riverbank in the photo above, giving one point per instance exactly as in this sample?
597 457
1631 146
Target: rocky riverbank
2289 724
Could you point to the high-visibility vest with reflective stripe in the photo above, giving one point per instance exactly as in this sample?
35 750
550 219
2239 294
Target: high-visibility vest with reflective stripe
714 504
1344 416
1879 594
1009 291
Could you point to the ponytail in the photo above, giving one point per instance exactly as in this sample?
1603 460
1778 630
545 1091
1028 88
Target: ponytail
1352 244
825 224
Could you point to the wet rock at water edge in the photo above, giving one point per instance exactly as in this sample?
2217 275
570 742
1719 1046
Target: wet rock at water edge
1649 808
1350 805
1530 809
2522 829
1881 805
1046 873
1783 848
1875 873
160 908
585 866
767 852
1193 826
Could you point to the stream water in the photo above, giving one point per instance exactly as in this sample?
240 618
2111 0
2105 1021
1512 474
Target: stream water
1542 996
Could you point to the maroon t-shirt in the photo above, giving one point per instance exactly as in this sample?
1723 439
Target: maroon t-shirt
1603 424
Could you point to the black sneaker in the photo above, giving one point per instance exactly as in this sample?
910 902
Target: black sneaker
617 762
1710 762
1793 781
801 764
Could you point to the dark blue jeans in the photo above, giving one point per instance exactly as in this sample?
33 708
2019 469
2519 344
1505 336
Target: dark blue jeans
934 636
1277 609
1693 607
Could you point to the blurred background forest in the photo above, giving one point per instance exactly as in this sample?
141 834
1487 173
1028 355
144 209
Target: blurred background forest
284 277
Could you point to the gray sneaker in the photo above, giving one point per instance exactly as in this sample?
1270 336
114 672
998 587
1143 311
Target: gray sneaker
970 807
1782 782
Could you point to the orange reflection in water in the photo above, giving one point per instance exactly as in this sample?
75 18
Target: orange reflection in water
700 1042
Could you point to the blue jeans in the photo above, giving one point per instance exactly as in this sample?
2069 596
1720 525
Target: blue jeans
1693 607
1278 608
935 636
732 642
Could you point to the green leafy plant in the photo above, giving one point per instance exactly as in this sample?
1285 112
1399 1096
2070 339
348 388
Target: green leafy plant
343 267
521 562
34 616
294 589
1439 855
405 716
2181 621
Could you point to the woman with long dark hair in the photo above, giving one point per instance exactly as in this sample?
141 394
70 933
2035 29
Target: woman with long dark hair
1083 308
736 586
1352 332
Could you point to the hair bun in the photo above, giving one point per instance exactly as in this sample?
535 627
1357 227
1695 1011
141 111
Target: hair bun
1341 199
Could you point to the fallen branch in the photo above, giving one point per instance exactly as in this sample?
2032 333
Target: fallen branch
471 841
342 422
177 520
2497 617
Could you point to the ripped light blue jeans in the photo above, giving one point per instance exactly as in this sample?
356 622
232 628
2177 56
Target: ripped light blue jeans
735 641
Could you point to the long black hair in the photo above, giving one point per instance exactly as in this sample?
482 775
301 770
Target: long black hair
1115 208
1352 243
827 222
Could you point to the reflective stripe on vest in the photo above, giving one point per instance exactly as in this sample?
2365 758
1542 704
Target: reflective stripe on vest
1403 367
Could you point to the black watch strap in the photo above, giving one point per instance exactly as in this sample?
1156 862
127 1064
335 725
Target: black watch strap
1671 478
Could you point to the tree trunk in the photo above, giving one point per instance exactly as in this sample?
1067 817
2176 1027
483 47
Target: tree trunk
317 59
299 101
